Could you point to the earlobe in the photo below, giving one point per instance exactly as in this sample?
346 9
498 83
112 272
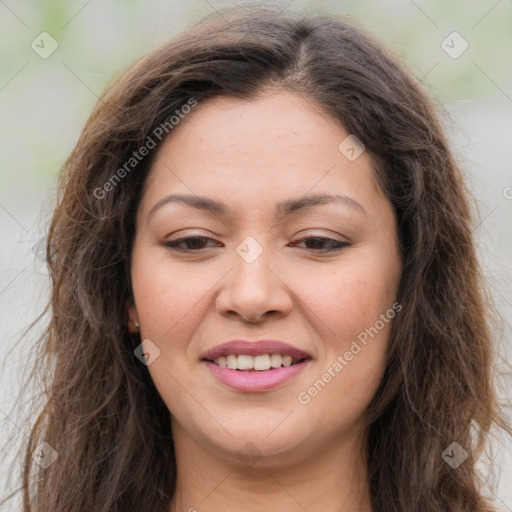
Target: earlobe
133 322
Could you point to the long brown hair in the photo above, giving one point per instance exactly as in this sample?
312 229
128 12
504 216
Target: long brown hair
101 412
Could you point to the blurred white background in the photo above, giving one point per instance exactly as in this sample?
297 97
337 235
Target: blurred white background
45 101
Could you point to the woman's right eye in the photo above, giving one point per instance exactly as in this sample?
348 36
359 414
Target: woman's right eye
193 241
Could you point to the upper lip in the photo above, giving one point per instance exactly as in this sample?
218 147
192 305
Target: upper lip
254 348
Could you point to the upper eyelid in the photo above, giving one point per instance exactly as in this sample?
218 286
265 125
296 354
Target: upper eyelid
308 235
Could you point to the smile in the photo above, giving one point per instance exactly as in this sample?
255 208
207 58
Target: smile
261 362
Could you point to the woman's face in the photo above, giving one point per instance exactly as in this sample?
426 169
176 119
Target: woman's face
251 276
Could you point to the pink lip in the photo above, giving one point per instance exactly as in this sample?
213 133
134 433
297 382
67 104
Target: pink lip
254 381
254 348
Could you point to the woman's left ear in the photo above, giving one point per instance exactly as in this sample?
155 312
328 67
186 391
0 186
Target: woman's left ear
133 322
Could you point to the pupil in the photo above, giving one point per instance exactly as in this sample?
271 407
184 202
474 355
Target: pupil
315 241
195 241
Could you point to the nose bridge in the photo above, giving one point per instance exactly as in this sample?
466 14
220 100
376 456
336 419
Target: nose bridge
251 272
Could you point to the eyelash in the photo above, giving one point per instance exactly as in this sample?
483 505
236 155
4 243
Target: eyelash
173 244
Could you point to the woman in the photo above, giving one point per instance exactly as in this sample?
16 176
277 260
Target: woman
265 294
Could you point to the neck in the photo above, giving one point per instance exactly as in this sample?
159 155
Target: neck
334 480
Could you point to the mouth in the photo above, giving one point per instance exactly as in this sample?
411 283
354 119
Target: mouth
255 366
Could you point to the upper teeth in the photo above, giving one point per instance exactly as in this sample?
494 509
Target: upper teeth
261 362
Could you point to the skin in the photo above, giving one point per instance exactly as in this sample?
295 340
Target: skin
250 155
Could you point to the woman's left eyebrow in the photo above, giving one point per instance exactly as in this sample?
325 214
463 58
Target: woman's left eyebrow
282 209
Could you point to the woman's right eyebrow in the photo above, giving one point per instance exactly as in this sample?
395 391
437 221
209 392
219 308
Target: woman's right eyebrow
282 209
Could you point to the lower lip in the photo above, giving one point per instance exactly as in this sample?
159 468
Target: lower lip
256 380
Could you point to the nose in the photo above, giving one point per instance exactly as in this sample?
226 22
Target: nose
253 291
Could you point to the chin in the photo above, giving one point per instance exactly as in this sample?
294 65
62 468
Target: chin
269 446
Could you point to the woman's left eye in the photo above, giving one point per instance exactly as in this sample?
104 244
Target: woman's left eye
195 243
333 244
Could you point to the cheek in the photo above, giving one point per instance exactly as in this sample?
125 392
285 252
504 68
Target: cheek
361 313
354 309
351 297
165 300
166 297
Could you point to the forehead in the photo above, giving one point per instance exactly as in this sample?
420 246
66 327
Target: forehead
279 144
